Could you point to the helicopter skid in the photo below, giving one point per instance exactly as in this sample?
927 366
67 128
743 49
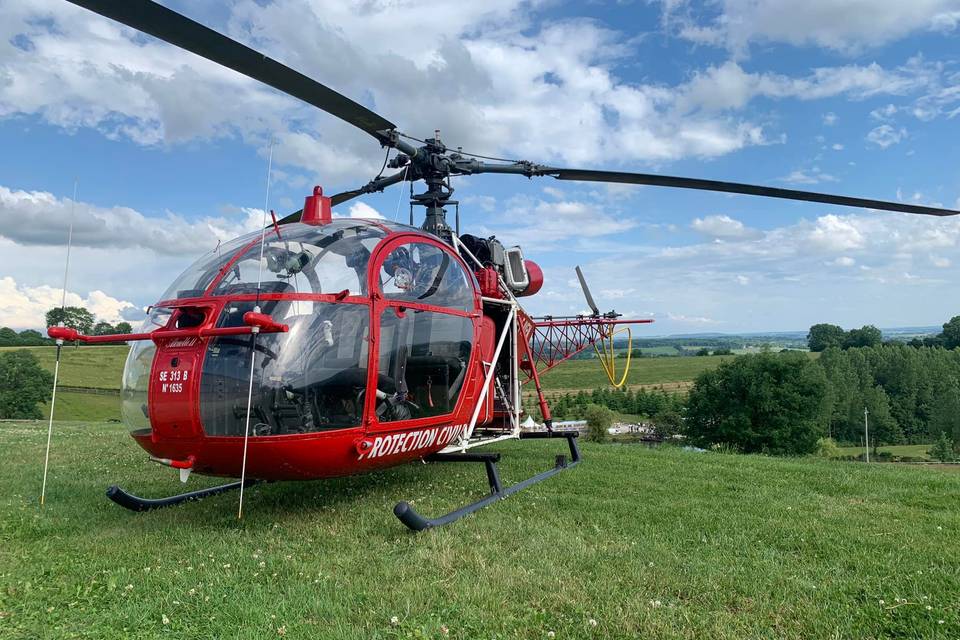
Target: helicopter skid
136 503
408 515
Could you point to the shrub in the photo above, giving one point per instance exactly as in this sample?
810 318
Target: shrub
827 448
942 449
25 385
598 419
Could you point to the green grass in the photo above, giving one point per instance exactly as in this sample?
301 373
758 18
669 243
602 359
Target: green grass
912 450
587 374
97 367
648 543
85 407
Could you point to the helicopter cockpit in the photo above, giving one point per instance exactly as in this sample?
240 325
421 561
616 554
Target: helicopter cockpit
316 279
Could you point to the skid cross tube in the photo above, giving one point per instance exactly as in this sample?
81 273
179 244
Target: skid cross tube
416 522
136 503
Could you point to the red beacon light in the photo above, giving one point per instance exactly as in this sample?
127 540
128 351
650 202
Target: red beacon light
317 208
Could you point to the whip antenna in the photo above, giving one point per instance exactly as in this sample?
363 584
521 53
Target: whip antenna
56 366
254 332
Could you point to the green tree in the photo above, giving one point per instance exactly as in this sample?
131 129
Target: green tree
883 428
759 403
951 333
945 413
25 385
9 337
74 317
123 327
102 328
599 419
942 449
865 336
823 336
32 338
667 424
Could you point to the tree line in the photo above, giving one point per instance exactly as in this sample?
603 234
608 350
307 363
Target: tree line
78 318
824 336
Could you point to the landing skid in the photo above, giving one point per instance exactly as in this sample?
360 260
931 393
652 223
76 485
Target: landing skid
417 522
136 503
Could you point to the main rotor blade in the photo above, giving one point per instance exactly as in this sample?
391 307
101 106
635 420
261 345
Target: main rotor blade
586 292
587 175
169 26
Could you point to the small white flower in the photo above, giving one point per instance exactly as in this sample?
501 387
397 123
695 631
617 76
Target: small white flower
129 587
882 602
939 621
551 634
593 622
394 620
929 608
164 619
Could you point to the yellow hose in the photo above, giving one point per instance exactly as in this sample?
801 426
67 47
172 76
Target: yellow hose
608 356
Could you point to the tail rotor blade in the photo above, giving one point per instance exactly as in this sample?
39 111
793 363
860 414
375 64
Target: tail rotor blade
586 292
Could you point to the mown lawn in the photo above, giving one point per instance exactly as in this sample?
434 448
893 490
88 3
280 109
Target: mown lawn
645 543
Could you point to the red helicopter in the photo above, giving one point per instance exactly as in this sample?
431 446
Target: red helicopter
322 347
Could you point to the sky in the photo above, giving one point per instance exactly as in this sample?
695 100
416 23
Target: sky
169 152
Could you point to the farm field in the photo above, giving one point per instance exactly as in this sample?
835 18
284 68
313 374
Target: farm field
645 543
96 367
587 374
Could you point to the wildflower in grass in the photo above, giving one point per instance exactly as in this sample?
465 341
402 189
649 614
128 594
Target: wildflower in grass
262 564
939 621
929 608
551 634
655 603
394 620
129 587
444 630
282 630
593 622
164 619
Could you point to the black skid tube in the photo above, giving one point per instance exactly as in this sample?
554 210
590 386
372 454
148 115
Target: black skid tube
417 522
136 503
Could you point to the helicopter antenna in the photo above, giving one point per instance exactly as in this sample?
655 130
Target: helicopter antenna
254 331
396 214
56 367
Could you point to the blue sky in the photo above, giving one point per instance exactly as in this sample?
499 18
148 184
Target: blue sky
169 150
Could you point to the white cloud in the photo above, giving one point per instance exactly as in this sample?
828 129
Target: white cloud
830 119
721 226
846 26
836 233
23 307
885 135
884 113
363 210
842 261
40 218
813 176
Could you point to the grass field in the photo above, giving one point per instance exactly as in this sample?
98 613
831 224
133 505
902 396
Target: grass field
89 366
911 450
645 543
587 374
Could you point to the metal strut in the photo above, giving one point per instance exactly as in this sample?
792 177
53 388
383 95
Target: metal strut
417 522
136 503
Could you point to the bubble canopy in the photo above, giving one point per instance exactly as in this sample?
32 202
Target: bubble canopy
317 375
302 258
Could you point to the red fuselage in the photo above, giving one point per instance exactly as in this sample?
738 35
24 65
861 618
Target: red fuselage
381 363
